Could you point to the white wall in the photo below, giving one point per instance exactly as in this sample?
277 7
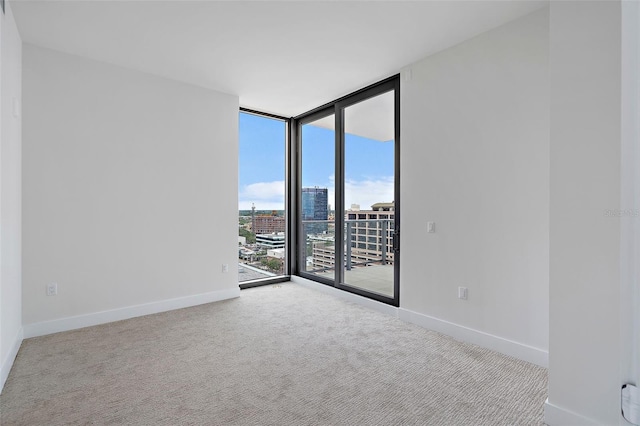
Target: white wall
10 193
129 185
475 159
631 136
630 192
590 341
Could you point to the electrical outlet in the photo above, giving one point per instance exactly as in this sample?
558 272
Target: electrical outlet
225 268
52 289
462 293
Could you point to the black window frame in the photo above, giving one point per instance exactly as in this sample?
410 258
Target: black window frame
337 108
289 241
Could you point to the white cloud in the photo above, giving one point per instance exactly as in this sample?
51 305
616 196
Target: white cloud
366 192
265 196
270 195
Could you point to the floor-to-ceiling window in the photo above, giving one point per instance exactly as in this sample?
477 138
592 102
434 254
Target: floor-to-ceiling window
262 200
347 192
317 196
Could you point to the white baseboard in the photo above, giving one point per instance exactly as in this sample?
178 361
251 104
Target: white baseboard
96 318
499 344
345 295
7 362
556 416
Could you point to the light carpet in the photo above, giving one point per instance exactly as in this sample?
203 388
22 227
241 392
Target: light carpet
278 355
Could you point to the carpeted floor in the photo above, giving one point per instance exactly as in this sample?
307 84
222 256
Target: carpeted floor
278 355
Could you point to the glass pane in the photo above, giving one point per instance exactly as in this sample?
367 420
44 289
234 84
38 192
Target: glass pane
369 194
261 192
317 197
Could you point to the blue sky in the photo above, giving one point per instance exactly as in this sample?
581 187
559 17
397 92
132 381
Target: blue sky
368 165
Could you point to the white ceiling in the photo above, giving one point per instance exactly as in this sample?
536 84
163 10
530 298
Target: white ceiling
372 118
280 57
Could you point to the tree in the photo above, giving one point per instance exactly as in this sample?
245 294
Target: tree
272 264
250 236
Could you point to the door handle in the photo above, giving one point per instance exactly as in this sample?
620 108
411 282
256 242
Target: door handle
396 240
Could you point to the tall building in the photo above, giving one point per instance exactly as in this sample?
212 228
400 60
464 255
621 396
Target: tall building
315 206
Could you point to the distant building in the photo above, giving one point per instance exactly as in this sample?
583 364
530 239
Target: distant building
323 256
268 224
270 241
276 253
383 206
246 254
371 235
315 206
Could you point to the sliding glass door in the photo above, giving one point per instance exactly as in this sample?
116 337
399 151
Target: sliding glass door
348 193
317 197
369 195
